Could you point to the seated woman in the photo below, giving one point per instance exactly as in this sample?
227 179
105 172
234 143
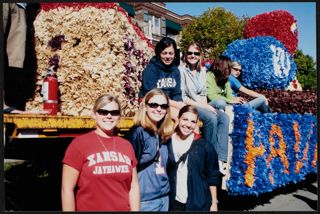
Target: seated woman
162 72
192 167
219 87
215 127
259 102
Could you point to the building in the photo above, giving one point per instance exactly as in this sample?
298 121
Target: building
155 20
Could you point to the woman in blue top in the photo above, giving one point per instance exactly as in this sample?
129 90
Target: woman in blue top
162 72
192 167
153 126
259 102
193 86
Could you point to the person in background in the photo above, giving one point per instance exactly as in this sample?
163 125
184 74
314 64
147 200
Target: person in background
259 102
193 86
162 72
19 67
153 127
192 167
99 168
15 34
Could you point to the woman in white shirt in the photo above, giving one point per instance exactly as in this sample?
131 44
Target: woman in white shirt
192 167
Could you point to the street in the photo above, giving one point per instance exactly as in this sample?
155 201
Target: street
293 197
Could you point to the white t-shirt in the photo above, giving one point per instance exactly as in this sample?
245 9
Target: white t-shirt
179 148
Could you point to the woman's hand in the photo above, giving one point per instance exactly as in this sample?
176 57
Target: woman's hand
238 100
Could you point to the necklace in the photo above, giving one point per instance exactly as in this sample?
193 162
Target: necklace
102 144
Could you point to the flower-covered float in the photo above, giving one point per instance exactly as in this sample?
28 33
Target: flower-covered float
95 48
279 23
273 149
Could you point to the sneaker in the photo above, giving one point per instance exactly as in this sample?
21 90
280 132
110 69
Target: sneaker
223 167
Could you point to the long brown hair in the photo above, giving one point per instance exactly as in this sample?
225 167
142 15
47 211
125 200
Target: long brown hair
221 69
188 108
165 127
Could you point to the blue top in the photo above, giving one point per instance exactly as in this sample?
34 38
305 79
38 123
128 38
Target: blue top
203 172
235 85
153 179
165 77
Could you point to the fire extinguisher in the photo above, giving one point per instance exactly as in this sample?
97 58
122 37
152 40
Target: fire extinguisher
50 92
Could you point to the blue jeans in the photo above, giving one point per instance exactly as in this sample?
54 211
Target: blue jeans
258 103
215 130
158 204
219 104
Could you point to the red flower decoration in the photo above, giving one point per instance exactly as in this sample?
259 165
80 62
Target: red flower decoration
279 24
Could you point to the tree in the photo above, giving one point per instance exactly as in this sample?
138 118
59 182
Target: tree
306 70
214 30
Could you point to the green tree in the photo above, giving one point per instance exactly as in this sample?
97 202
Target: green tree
306 70
214 30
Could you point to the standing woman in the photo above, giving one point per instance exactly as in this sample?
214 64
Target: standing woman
192 167
162 72
193 86
99 168
153 126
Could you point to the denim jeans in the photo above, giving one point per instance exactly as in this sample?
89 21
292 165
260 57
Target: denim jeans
258 103
158 204
219 104
215 130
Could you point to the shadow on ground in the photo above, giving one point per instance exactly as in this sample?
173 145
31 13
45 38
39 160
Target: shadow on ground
35 184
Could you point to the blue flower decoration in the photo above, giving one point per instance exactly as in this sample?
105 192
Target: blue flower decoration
266 63
294 140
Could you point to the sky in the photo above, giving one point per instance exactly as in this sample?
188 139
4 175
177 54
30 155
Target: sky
304 13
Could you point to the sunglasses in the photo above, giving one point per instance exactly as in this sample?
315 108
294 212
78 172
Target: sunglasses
156 105
237 69
194 53
104 112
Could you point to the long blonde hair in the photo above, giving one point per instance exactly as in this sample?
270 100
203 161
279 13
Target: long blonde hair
165 127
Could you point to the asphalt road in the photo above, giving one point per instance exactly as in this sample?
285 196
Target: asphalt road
301 196
33 186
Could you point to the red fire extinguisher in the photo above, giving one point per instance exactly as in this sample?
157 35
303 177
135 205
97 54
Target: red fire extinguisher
50 92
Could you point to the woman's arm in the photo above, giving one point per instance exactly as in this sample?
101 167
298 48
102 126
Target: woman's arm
134 194
69 181
249 92
202 104
214 203
175 108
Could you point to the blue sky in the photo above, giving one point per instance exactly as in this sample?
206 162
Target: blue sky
304 13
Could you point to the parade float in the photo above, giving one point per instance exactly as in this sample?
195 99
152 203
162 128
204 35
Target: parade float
273 149
95 48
